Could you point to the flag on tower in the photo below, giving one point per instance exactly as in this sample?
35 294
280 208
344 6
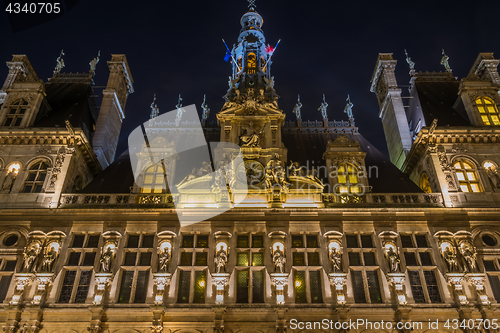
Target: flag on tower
227 57
269 49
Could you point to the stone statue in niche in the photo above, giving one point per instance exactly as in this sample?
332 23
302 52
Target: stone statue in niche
279 259
221 257
30 254
469 254
50 255
392 257
164 255
107 257
335 255
449 256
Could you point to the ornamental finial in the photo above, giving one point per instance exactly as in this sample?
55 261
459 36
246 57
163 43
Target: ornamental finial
94 62
60 63
251 5
410 62
154 108
445 62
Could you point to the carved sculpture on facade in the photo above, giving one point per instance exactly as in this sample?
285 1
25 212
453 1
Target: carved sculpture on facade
335 255
449 255
49 257
30 254
433 126
164 255
392 256
323 108
107 255
251 136
493 174
221 253
468 252
275 174
297 107
445 62
10 178
348 107
279 260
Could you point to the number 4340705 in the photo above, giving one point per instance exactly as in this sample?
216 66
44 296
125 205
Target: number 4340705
34 8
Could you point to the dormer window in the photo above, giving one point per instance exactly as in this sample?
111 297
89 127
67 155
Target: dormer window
348 179
467 176
488 111
154 179
36 177
16 113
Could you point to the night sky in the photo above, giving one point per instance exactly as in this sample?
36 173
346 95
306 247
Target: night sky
327 47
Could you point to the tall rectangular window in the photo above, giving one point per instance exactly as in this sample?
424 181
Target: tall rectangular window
242 286
300 287
184 286
358 286
249 266
75 286
306 261
200 282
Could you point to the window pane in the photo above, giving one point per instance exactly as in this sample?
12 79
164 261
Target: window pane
471 175
366 240
416 287
425 259
432 287
357 287
257 241
4 286
141 287
313 258
199 287
464 188
201 259
489 265
184 279
369 259
145 259
89 259
352 241
133 241
316 287
130 259
242 241
406 241
312 241
187 241
258 286
78 241
297 241
410 259
202 241
38 188
83 287
186 258
10 266
125 287
354 259
242 286
495 286
475 187
93 241
300 287
421 240
27 188
298 259
67 286
373 286
242 259
258 259
147 241
74 258
461 175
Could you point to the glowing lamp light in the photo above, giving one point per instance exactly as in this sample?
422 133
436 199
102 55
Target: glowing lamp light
298 283
202 283
14 168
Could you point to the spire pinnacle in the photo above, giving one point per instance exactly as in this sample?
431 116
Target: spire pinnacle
60 63
445 62
251 5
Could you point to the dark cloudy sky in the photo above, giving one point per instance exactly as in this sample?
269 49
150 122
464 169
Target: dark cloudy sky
327 47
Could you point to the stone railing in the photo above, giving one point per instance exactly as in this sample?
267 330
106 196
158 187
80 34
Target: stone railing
400 199
98 200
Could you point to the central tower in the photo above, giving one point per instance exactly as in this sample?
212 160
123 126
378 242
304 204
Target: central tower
250 116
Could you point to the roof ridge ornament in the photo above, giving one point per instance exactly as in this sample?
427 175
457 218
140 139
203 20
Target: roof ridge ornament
410 62
445 62
60 63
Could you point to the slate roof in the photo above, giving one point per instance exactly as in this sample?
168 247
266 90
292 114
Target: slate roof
302 147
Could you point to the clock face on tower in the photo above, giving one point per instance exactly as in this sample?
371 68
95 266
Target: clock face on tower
250 171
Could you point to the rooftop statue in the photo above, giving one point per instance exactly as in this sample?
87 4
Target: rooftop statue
297 108
323 107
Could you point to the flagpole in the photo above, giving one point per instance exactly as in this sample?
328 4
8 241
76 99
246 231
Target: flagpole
231 54
265 66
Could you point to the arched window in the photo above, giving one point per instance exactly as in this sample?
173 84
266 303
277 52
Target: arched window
487 110
467 176
154 179
16 113
251 63
425 185
36 177
347 178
